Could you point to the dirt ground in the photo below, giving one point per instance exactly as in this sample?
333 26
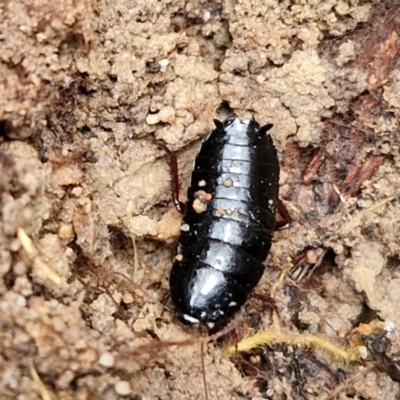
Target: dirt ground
88 87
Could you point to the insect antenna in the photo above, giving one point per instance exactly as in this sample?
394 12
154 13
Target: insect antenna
173 171
203 371
131 282
136 287
266 128
218 124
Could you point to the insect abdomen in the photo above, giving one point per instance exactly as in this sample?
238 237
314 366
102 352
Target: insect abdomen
228 221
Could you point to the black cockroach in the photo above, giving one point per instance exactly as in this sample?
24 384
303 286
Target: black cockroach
228 221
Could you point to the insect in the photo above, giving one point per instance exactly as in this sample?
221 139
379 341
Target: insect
228 221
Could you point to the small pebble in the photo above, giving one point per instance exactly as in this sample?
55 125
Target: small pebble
228 182
198 206
167 114
106 360
185 228
128 298
179 257
363 352
152 119
123 388
21 301
66 231
164 62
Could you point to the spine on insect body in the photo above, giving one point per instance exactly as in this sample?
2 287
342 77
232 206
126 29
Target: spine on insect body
228 221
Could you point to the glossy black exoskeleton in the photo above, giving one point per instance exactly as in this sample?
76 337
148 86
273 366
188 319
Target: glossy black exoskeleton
228 221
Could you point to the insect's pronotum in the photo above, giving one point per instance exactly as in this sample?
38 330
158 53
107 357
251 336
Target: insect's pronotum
228 221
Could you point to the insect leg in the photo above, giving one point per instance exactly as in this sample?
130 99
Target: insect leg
173 170
285 218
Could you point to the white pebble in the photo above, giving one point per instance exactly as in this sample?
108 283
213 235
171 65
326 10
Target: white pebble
185 228
164 62
206 16
21 301
362 352
106 360
123 388
152 119
128 298
390 327
167 114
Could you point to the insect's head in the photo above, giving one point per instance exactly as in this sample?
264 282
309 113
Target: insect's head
241 126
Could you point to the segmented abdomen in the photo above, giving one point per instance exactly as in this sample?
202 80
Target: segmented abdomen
228 221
